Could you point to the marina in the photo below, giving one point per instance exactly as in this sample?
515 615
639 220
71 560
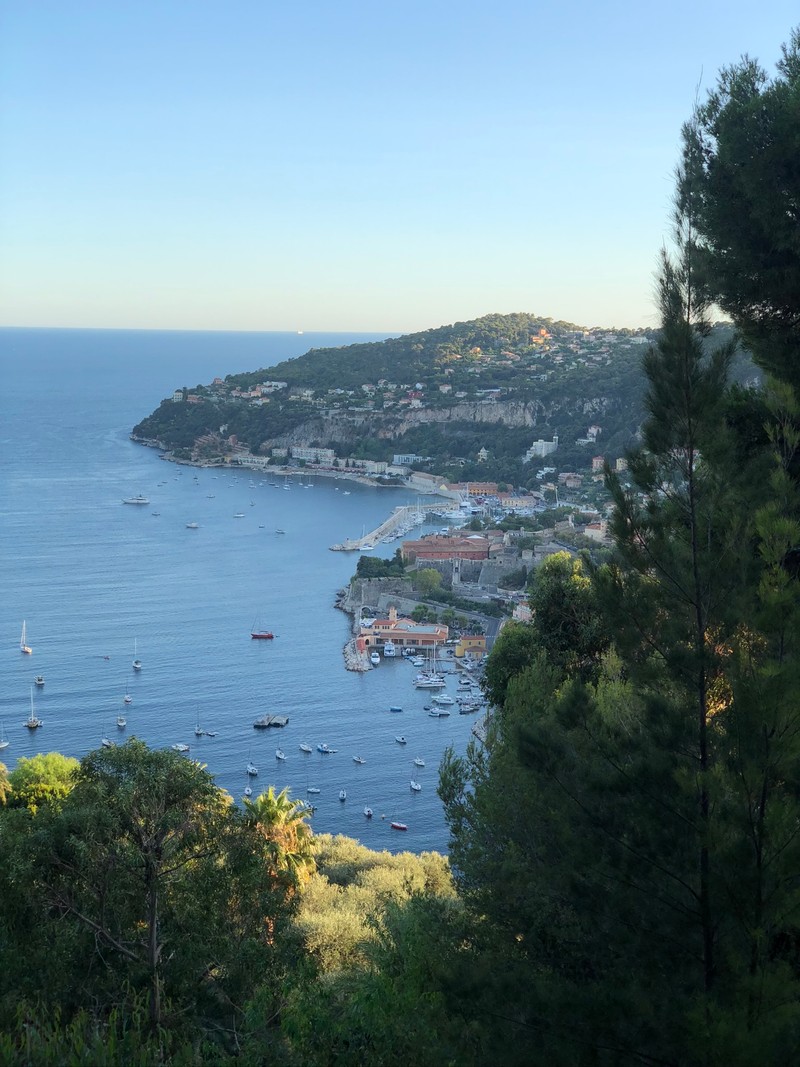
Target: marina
107 584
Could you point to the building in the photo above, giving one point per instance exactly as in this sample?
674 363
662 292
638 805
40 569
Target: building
324 456
472 646
597 463
402 632
539 449
437 547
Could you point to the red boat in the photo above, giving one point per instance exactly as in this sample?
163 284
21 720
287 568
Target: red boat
262 635
398 826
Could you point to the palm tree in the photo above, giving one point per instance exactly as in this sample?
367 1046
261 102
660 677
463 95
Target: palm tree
281 822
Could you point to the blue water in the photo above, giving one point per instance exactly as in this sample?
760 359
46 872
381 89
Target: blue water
92 577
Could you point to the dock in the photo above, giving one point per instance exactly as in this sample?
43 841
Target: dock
270 720
406 515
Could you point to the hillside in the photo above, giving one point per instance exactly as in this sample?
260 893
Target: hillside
495 383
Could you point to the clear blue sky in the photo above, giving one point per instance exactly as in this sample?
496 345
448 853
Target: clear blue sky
343 164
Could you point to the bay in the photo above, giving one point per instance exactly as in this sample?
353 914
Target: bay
94 578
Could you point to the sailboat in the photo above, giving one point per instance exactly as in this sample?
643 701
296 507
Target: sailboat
127 699
23 645
32 721
137 663
4 743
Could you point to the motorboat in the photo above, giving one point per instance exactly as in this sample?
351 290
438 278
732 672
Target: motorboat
415 786
252 770
439 713
443 698
305 747
39 680
418 762
374 659
192 525
312 789
395 709
248 792
401 740
180 747
322 747
359 759
389 649
398 825
138 499
342 794
368 812
430 681
280 754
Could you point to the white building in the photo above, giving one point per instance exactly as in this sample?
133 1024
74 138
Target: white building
541 448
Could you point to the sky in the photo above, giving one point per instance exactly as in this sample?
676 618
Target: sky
348 165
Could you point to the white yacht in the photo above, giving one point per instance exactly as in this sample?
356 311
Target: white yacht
375 658
389 649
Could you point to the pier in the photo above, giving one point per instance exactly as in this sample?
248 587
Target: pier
404 517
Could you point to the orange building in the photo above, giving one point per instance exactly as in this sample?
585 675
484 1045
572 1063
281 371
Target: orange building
404 633
433 548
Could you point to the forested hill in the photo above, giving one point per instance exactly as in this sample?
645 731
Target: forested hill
494 383
473 348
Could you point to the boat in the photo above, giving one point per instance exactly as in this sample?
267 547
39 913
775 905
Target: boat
262 635
398 825
180 747
443 698
39 680
342 794
137 663
33 722
252 770
106 742
304 747
138 499
368 812
23 642
248 792
280 754
325 748
4 742
374 659
239 515
429 681
418 661
439 713
401 740
198 730
192 525
312 789
415 786
359 759
389 649
418 762
395 709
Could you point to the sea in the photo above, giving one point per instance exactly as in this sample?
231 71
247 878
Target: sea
98 582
